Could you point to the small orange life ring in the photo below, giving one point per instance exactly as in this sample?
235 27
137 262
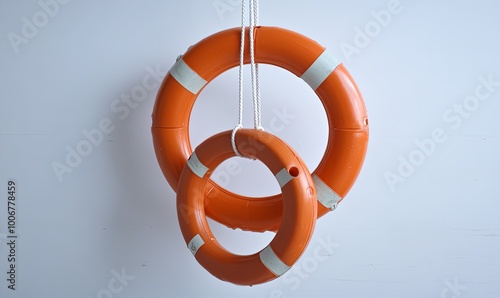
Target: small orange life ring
299 207
345 110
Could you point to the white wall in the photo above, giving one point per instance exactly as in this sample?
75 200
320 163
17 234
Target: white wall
438 225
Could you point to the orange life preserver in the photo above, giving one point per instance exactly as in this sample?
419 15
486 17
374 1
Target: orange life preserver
299 207
345 109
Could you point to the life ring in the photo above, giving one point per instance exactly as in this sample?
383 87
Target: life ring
299 207
345 110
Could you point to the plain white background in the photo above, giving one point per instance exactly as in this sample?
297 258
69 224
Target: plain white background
433 232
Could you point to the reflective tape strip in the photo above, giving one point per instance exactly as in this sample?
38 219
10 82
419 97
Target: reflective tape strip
195 244
196 166
273 262
320 69
283 177
326 196
187 77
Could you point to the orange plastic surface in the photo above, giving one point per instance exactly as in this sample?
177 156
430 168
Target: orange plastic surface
339 94
298 214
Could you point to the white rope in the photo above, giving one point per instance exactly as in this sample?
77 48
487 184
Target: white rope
240 81
257 86
254 67
254 19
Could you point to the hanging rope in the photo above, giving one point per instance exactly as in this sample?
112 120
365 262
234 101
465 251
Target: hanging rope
254 19
254 67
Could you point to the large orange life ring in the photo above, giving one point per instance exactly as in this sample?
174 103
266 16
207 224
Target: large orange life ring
299 207
345 110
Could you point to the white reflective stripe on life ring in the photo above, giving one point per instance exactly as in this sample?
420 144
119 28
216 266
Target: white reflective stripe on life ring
317 73
326 196
195 244
196 166
273 262
187 77
283 177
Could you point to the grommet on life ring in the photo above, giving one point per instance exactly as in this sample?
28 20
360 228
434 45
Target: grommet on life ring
299 207
344 106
